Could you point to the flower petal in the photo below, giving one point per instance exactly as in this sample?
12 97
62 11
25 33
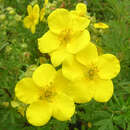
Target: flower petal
109 66
29 9
87 55
61 83
36 11
78 42
64 107
101 25
44 75
80 90
81 9
27 91
39 113
58 20
46 2
48 42
71 69
78 23
80 19
42 14
33 29
58 56
103 90
27 22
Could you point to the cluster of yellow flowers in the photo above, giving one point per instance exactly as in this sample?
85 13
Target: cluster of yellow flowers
84 74
34 14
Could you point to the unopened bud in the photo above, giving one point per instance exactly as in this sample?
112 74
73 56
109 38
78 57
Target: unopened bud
2 16
18 17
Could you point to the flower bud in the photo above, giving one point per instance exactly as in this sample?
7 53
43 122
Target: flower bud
18 17
2 16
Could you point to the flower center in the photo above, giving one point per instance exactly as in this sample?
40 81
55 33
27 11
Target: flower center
92 72
48 94
32 18
65 35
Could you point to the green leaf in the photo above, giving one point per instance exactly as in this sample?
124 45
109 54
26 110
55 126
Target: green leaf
105 124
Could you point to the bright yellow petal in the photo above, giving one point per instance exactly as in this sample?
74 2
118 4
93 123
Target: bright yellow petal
33 29
71 69
64 107
109 66
58 20
80 90
44 75
81 9
80 20
60 82
27 22
78 42
101 25
29 9
58 56
87 55
36 11
27 91
46 2
42 13
78 23
103 90
39 113
48 42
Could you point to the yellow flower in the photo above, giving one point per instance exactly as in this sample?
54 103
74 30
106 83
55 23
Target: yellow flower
46 2
32 19
67 35
101 25
81 13
81 9
43 92
42 12
91 75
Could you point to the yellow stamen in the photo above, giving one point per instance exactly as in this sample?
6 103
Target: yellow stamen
65 35
92 72
48 94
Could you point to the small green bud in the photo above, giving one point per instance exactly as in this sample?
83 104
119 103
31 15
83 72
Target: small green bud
12 12
2 16
18 17
8 49
9 8
30 71
24 45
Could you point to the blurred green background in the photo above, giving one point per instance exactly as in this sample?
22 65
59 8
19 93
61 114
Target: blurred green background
19 56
